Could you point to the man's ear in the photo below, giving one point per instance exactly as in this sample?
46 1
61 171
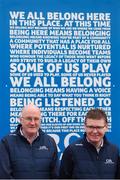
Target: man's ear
20 119
106 127
84 127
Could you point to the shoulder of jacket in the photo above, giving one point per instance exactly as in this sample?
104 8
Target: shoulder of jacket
9 137
75 144
47 137
112 146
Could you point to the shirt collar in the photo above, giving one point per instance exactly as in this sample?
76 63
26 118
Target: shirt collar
22 134
99 147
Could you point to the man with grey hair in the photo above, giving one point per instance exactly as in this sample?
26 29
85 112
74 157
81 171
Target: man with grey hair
28 153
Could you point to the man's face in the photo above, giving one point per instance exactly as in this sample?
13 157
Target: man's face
30 120
95 130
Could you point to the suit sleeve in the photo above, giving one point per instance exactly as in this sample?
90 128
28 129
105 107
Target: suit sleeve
118 168
66 167
5 165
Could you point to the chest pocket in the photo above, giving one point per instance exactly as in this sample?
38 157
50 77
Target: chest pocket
42 157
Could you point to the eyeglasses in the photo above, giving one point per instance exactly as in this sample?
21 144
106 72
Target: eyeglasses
31 119
95 127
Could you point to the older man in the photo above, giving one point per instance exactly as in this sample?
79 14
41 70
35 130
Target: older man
29 152
93 156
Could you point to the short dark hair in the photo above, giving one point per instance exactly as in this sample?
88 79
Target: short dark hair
96 114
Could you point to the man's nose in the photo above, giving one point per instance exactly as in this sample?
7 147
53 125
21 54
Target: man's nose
95 130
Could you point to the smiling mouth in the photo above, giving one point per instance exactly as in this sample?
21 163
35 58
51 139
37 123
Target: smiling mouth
95 136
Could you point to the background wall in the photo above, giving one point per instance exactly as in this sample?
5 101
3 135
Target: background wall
64 57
